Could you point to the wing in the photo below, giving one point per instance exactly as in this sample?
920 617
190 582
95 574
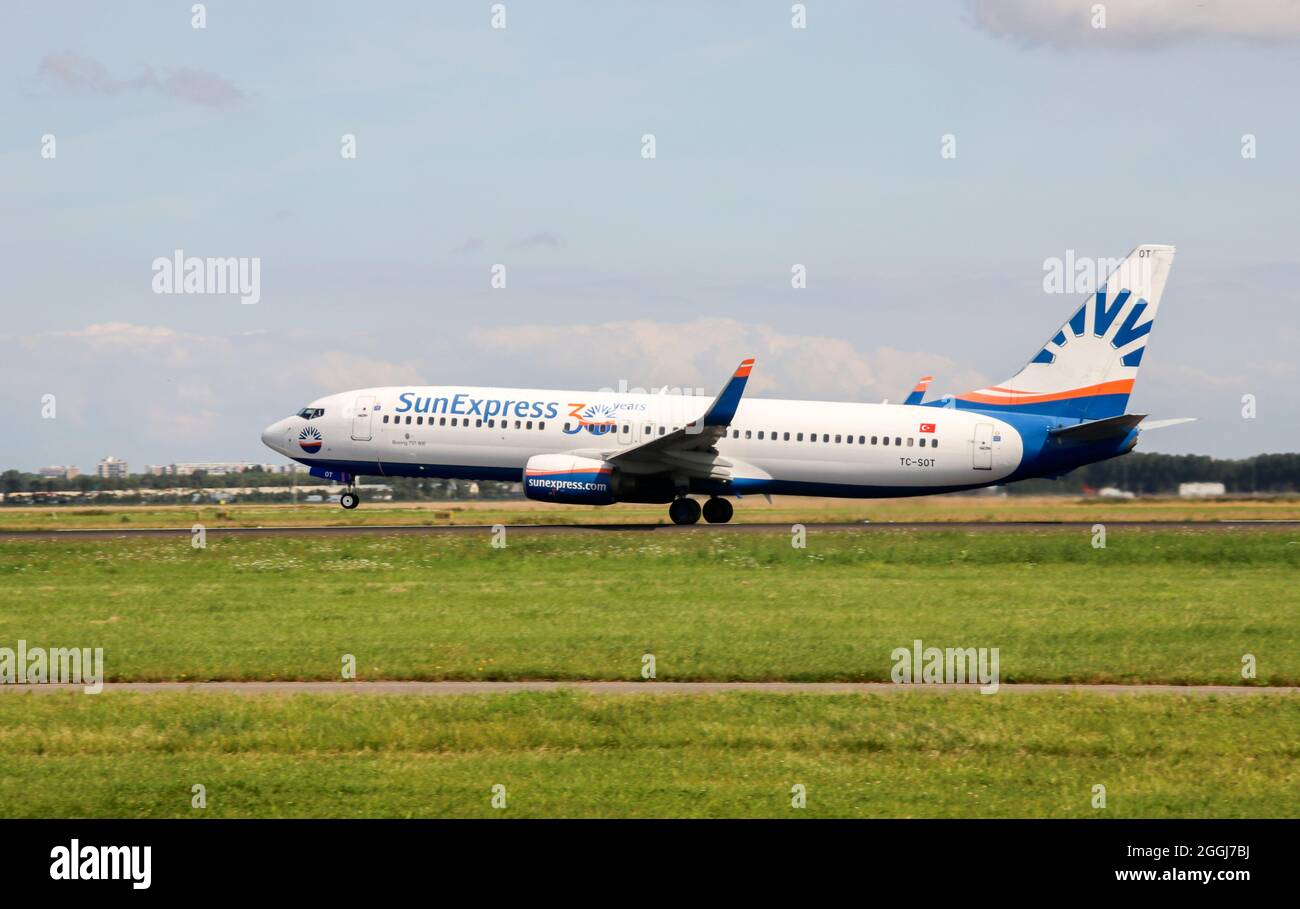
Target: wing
690 449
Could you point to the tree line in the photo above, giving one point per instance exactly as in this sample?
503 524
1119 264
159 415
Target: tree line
1140 473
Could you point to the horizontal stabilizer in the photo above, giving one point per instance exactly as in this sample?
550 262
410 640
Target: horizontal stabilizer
1161 424
1097 430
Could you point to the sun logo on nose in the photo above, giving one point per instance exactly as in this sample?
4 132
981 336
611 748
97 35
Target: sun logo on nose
309 439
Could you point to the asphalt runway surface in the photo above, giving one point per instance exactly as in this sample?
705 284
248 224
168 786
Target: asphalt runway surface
646 687
535 529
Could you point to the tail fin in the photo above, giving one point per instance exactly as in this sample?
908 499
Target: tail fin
918 393
1087 369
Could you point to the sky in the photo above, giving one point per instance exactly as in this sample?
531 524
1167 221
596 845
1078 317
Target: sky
829 147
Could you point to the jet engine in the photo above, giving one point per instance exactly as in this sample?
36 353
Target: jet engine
573 480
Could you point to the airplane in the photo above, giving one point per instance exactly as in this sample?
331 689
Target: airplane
1064 409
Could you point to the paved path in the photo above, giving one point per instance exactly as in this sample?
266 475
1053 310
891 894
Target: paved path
529 529
697 688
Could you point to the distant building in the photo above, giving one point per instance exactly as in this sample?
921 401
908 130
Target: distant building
212 468
1201 490
59 472
111 468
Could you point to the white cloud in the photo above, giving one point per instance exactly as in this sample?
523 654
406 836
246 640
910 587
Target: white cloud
1138 23
701 353
156 394
84 75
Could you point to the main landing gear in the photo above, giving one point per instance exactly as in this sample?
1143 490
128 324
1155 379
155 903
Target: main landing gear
349 500
717 511
687 511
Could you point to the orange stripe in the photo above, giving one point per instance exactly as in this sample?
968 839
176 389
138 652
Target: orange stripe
742 371
1011 396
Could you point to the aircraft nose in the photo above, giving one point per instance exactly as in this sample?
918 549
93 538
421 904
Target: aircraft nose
273 436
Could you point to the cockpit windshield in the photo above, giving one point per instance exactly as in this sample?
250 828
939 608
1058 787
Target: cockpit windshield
310 413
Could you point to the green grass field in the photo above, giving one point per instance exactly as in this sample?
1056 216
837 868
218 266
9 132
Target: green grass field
1172 607
1153 606
784 509
572 755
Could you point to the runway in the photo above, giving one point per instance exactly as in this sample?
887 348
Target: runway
434 689
538 529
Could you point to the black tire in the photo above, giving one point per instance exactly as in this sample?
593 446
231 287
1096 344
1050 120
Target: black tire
684 511
717 511
349 500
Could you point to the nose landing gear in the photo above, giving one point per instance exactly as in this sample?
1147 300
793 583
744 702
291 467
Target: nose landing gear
349 500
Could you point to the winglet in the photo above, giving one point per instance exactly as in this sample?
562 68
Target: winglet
918 393
723 408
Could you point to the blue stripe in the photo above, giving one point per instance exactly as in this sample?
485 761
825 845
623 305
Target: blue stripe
1092 407
435 471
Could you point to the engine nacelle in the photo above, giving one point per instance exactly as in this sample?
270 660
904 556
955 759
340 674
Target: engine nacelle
569 480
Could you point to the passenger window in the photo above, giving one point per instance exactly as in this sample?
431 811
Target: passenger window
661 430
934 443
517 424
478 424
408 421
909 441
862 440
798 437
530 425
873 440
385 418
921 441
760 435
838 438
826 437
492 424
442 421
626 429
898 440
849 439
566 425
453 421
786 438
884 440
541 425
735 433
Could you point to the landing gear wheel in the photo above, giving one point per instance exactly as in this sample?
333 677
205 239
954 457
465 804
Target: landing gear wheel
684 511
717 511
349 500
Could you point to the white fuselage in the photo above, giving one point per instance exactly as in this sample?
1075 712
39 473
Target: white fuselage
814 447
